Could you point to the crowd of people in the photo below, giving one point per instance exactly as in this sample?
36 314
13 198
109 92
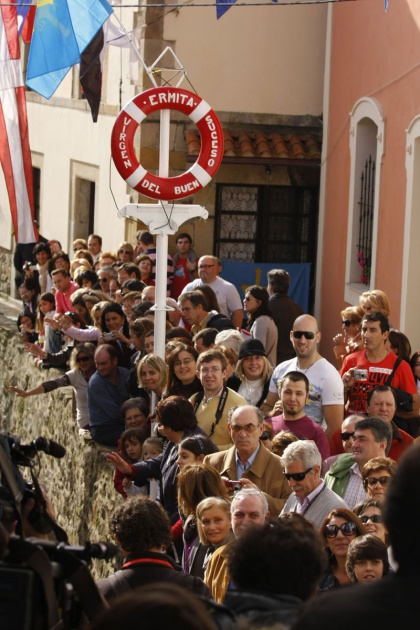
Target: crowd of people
251 471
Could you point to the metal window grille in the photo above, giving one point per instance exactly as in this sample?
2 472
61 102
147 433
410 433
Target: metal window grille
366 208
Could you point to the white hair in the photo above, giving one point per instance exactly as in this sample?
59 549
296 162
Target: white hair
305 451
229 339
250 492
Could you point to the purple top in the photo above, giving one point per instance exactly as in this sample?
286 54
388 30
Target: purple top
304 428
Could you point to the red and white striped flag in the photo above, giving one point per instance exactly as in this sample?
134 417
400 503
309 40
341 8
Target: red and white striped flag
15 155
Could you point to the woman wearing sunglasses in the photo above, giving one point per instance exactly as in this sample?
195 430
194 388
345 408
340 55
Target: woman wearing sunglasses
338 530
125 252
370 514
82 366
350 339
376 474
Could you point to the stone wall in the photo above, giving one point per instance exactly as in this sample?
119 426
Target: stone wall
81 484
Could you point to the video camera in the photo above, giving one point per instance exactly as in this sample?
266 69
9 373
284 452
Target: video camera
44 584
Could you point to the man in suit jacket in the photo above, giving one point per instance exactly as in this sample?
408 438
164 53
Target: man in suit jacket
248 462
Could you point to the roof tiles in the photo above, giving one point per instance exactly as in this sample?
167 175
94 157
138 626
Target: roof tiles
241 144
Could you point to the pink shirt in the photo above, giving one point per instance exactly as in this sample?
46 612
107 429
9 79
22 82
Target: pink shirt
62 300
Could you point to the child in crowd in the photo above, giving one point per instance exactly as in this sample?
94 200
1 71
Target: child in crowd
46 308
132 450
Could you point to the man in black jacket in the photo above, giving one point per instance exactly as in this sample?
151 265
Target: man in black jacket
141 528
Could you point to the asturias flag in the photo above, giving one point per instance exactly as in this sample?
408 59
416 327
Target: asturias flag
62 31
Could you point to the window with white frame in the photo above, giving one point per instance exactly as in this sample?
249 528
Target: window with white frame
366 148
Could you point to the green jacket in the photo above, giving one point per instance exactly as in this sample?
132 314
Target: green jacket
338 475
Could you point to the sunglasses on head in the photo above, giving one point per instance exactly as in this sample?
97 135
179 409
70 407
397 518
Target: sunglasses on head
297 476
347 529
298 334
373 481
375 518
346 436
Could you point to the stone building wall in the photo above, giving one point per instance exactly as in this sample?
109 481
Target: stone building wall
81 484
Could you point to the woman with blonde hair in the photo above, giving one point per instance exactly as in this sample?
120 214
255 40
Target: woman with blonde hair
195 483
253 372
350 340
152 376
375 300
125 252
215 531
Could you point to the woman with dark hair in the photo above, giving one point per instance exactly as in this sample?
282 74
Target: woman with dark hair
182 377
87 279
176 421
80 307
367 559
260 320
115 331
60 260
42 254
26 323
370 513
209 294
338 530
399 344
415 366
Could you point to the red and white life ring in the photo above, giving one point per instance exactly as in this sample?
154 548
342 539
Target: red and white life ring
202 171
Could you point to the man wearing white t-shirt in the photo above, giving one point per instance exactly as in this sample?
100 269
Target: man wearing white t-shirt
325 403
226 293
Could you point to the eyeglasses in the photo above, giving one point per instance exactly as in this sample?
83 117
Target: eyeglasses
248 428
248 298
347 322
373 481
184 362
83 359
103 280
124 251
375 518
346 436
347 529
206 266
213 370
297 476
298 334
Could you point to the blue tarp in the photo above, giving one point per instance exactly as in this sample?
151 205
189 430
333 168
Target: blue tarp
243 275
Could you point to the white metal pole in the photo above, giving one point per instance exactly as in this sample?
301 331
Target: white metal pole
162 242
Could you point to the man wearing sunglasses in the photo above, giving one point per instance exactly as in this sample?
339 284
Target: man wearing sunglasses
310 496
391 602
372 438
248 461
325 404
105 275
